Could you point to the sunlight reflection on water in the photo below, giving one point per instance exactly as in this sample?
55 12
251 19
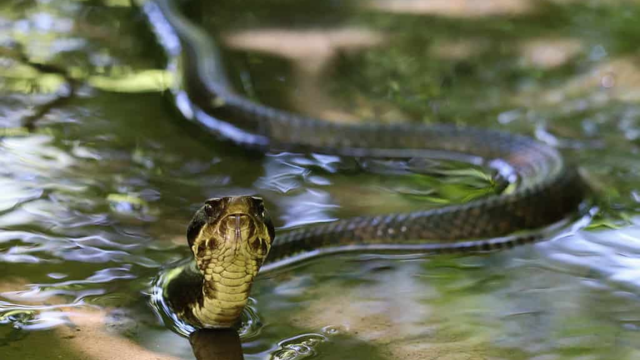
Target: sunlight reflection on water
94 203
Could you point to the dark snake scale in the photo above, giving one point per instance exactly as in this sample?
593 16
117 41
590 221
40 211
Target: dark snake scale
547 191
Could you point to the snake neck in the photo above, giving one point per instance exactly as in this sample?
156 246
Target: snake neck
225 292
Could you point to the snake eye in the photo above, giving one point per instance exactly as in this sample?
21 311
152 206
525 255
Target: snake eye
212 206
259 203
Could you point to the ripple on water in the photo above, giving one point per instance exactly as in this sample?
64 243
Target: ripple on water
298 347
250 324
46 220
609 256
86 199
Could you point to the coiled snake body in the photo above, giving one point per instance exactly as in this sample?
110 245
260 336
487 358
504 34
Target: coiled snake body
213 293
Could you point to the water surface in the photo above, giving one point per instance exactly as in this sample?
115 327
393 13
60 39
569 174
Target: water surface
95 200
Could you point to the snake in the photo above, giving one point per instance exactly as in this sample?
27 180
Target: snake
233 239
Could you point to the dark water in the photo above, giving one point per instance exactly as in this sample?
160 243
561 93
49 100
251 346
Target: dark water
95 200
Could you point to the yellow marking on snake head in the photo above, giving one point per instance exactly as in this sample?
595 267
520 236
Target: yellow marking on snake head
230 238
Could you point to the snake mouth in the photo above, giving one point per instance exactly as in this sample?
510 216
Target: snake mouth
241 231
238 227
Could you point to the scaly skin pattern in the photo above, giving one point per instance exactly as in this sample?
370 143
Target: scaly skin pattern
230 238
546 189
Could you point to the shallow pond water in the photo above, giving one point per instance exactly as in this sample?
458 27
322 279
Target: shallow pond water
95 199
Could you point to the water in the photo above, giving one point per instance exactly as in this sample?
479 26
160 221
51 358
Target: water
96 200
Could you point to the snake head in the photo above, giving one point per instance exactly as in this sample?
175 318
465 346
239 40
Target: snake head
231 230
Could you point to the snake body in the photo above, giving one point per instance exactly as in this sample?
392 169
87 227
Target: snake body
548 189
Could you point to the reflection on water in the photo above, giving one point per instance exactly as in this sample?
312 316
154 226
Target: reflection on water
94 201
221 344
